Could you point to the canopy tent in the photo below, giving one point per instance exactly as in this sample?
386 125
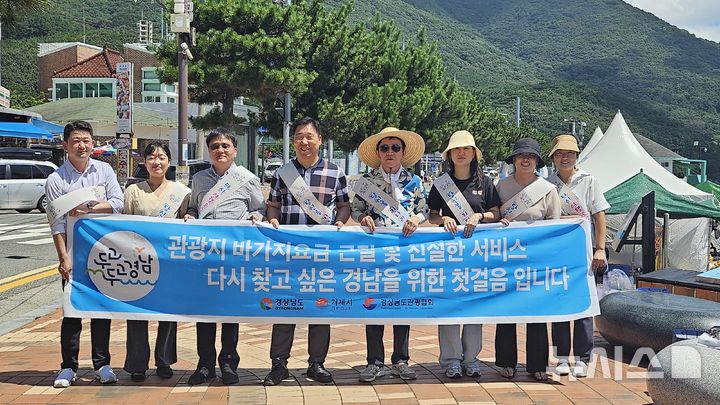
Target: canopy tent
23 130
632 190
53 128
710 187
596 137
618 156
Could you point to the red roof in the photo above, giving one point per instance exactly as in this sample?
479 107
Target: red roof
100 65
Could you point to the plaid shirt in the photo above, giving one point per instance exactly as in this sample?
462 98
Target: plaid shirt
413 198
330 190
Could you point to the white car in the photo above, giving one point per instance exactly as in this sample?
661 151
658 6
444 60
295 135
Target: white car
22 184
270 170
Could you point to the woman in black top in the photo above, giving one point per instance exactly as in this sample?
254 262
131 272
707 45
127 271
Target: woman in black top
458 352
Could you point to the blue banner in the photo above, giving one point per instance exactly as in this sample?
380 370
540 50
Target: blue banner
132 267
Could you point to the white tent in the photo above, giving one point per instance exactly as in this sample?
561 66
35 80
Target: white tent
616 157
619 156
596 137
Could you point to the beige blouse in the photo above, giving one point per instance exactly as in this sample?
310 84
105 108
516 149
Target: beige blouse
141 200
548 207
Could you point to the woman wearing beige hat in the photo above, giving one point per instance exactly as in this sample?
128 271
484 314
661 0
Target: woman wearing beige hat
462 196
390 185
525 197
581 195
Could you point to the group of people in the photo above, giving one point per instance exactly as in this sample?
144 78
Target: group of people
463 196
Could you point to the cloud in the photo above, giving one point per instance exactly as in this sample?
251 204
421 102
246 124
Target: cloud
700 17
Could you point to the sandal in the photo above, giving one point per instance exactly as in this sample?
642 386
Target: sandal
507 372
540 376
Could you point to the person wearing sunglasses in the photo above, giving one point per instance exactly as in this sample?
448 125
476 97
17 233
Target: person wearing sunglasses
238 196
388 153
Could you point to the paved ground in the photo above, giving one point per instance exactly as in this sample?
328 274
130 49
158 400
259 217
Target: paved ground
30 356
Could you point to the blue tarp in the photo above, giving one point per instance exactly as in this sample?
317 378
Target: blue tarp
24 130
54 129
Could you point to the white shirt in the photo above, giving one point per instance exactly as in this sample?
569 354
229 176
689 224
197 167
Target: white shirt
586 187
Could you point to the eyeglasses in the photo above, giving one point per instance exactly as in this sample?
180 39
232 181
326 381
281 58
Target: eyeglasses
216 146
384 148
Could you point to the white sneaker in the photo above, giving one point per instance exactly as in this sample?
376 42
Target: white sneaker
580 370
106 375
562 368
65 378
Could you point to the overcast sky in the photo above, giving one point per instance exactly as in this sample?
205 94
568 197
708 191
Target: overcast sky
699 17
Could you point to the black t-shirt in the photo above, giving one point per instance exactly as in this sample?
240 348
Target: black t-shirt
480 200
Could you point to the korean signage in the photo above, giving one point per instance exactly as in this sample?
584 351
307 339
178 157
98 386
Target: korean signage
124 98
130 267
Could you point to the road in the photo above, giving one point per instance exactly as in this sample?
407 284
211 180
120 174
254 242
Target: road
29 283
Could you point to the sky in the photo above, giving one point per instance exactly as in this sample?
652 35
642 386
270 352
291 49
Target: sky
699 17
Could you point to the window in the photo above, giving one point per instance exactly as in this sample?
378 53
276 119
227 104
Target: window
42 171
151 86
148 99
2 171
91 90
170 88
171 100
106 90
149 74
61 91
21 172
76 90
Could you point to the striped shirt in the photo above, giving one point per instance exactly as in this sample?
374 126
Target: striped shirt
66 179
413 197
247 200
327 182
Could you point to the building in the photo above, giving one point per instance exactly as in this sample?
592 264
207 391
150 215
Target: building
694 171
77 70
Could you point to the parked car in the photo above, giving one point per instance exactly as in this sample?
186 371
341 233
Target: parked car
269 171
141 174
24 154
22 184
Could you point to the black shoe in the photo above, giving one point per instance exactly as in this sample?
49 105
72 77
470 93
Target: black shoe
276 375
164 372
317 372
201 375
137 377
229 375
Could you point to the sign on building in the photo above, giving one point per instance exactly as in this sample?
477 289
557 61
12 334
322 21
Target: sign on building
124 73
4 97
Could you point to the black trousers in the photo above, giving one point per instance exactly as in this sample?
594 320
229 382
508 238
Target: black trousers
138 347
282 340
376 348
70 329
206 333
582 340
536 346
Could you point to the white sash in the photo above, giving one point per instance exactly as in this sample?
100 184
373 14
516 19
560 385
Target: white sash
526 198
453 198
63 204
381 201
301 192
225 188
172 198
571 203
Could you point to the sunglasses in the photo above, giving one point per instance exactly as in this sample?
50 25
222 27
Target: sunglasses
384 148
216 146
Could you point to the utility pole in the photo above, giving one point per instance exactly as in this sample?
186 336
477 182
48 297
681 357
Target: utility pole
517 111
180 25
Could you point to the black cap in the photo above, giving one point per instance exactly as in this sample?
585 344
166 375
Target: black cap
526 145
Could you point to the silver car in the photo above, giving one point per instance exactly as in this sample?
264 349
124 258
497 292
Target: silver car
22 184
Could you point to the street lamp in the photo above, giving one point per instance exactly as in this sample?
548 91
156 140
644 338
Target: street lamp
580 135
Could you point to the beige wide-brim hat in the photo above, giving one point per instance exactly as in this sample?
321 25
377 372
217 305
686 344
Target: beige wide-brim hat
460 139
564 142
414 147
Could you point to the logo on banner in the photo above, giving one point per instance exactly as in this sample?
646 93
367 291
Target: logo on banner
123 265
369 303
266 304
321 302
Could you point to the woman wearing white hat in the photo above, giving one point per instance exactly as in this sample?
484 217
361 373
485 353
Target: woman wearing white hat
525 197
462 196
390 184
581 196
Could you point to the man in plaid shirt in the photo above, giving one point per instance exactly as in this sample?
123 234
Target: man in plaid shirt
328 184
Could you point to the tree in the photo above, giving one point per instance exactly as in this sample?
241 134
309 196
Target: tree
11 11
244 48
